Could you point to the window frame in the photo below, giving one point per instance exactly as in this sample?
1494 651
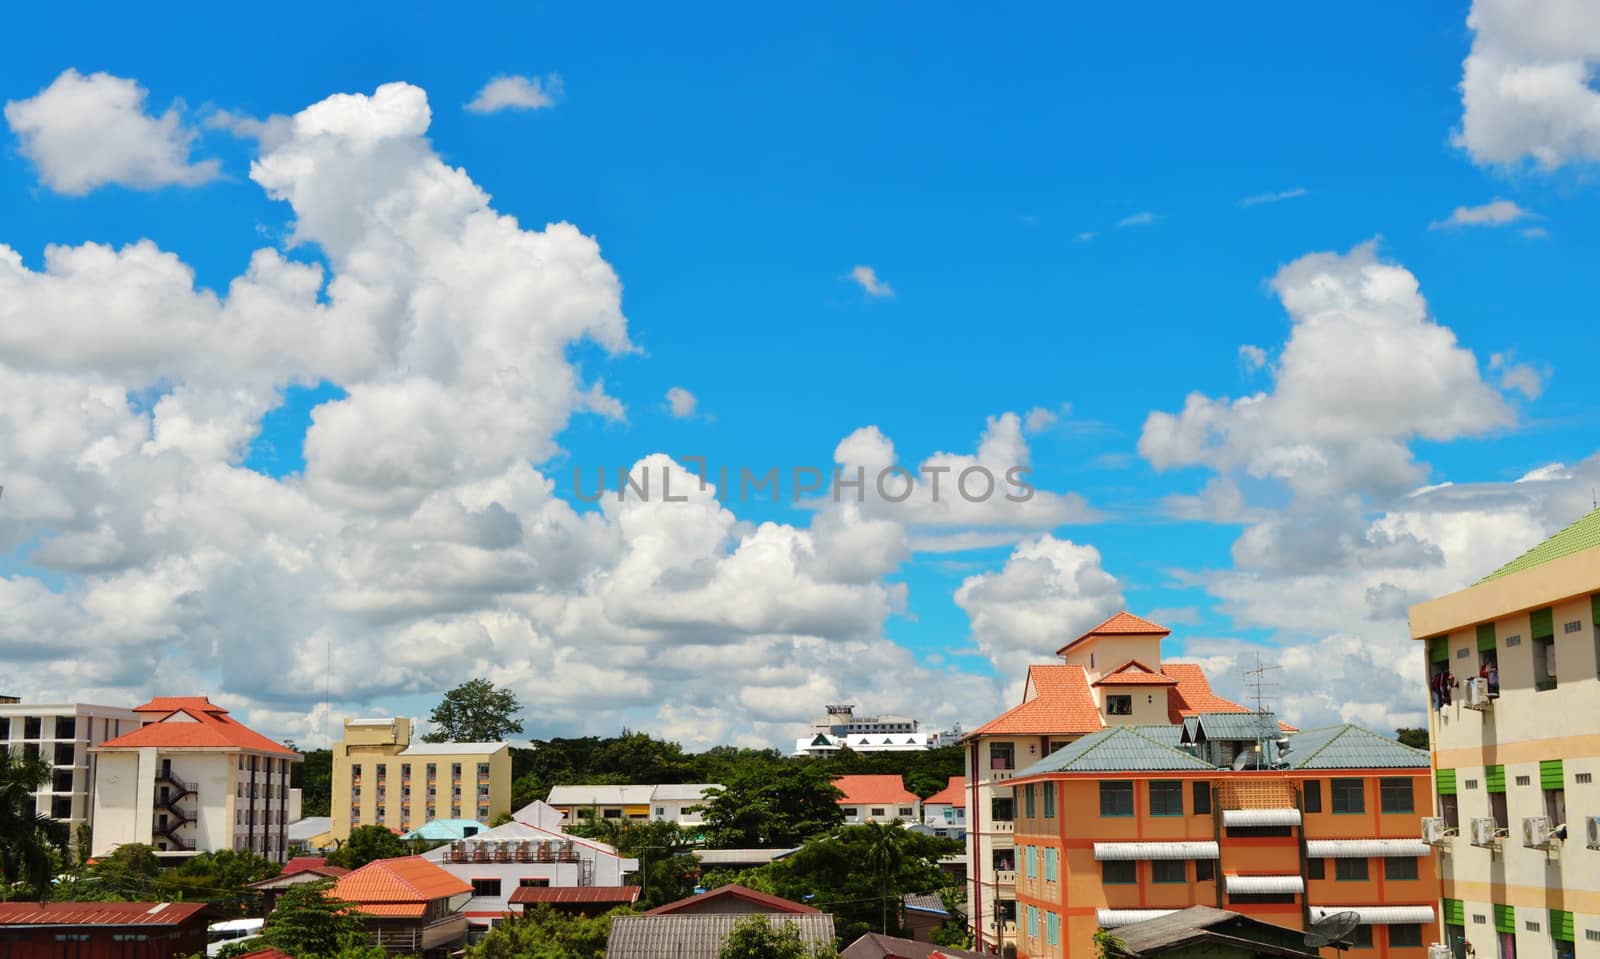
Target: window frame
1120 704
1170 789
1389 788
1311 795
1131 865
1392 874
1358 870
1339 790
1157 865
1116 791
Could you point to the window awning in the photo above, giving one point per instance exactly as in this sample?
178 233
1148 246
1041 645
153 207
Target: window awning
1261 817
1264 885
1377 915
1113 918
1366 848
1155 850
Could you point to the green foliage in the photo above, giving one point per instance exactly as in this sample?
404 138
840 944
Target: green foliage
367 843
26 838
772 808
753 937
1415 738
477 711
545 933
314 778
954 931
1107 945
309 922
668 867
503 818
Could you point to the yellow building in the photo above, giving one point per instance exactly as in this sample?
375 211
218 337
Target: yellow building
1514 690
381 778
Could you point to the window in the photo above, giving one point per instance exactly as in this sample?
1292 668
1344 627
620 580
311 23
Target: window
1003 861
61 807
877 812
1405 934
530 882
1030 861
1350 870
1449 811
30 727
1027 800
1261 898
1361 938
1316 869
1497 810
1544 663
483 770
1033 921
1394 795
1205 870
1002 756
486 887
1119 872
904 812
1346 794
66 727
1202 798
1169 870
1116 798
1166 798
1051 858
1002 809
1119 705
1555 805
1313 795
61 781
612 814
1400 867
1052 928
1049 791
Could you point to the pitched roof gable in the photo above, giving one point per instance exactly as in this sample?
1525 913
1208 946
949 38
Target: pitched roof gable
953 794
1193 693
1060 702
865 790
1122 624
1347 746
193 722
408 879
698 902
1135 673
1115 749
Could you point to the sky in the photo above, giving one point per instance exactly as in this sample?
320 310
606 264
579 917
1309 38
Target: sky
319 326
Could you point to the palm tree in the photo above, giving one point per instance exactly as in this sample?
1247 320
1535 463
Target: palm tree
24 834
883 860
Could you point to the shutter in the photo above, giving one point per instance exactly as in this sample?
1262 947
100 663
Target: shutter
1445 782
1543 622
1505 919
1454 913
1485 637
1594 609
1561 925
1439 647
1494 779
1551 774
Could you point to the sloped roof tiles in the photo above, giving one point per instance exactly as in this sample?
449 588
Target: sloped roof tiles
1575 538
408 879
1117 749
1122 624
1062 702
1347 746
953 794
205 726
865 790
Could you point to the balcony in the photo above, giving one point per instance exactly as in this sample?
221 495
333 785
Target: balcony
1005 877
1006 826
511 850
1001 775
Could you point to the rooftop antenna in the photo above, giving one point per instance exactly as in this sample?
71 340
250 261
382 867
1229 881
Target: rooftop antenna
1259 684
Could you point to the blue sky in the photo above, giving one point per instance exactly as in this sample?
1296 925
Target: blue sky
1059 200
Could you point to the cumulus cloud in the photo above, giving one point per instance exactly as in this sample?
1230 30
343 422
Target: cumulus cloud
1278 197
1048 592
1252 358
514 92
867 278
1493 213
681 403
1524 378
83 132
1527 89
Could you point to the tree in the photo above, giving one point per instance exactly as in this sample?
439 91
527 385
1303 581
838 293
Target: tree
365 844
314 777
309 922
773 808
1415 738
668 867
883 861
754 937
25 835
477 711
545 933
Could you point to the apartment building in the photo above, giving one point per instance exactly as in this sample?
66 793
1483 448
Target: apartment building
1225 811
668 802
876 798
192 779
945 812
63 734
1111 675
1514 713
380 777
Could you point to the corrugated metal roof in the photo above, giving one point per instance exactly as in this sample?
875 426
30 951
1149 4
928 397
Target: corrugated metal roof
1112 918
1581 535
1116 749
1377 915
97 913
736 857
1261 817
1264 885
1347 746
697 937
1236 726
574 894
600 795
1155 850
1365 848
682 792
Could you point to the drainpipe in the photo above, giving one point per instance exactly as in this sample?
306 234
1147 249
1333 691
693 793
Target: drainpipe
974 867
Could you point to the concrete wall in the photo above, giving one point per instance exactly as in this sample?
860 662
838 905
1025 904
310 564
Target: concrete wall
1102 654
117 803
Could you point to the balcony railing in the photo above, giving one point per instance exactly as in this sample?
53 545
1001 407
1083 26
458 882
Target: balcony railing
512 850
1003 825
1005 877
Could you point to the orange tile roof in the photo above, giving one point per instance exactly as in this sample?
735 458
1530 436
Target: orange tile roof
266 954
408 879
861 790
207 726
1122 624
393 910
1135 673
1193 693
954 794
1062 702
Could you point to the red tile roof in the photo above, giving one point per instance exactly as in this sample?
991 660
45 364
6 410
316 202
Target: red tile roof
574 894
1193 693
1135 673
393 910
772 904
1122 624
266 954
204 726
97 913
408 879
1058 700
954 794
865 790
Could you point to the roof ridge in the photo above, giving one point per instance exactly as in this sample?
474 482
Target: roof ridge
1539 554
1329 741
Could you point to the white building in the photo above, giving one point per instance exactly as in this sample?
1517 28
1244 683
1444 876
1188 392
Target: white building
877 798
668 802
191 780
529 851
945 812
63 733
842 729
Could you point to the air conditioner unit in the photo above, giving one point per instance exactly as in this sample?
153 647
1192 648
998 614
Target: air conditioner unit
1485 832
1435 832
1439 950
1478 694
1537 832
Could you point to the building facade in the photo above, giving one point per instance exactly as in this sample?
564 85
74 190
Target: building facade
668 802
1514 712
382 778
63 734
945 812
102 930
877 798
842 729
192 779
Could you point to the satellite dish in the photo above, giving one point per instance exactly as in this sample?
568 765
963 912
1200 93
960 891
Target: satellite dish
1331 929
1241 760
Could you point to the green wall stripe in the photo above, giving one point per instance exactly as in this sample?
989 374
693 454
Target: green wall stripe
1445 781
1485 637
1561 925
1551 774
1494 779
1505 919
1454 913
1543 622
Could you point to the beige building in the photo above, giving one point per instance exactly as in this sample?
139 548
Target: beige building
380 777
1514 690
63 734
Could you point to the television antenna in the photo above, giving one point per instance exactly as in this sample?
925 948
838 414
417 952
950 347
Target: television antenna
1331 930
1259 682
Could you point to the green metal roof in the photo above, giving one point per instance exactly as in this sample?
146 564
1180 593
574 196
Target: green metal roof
1582 535
1235 726
1118 749
1347 746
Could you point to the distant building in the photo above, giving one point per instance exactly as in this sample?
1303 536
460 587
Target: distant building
668 802
876 946
411 906
297 871
63 733
380 777
1514 711
946 810
148 930
696 927
842 729
877 799
192 779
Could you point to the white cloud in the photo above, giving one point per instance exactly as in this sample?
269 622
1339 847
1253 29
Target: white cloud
1524 378
1040 419
1086 236
83 132
1278 197
1252 358
1142 218
1049 592
681 403
1493 213
1536 233
1527 89
867 278
514 92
